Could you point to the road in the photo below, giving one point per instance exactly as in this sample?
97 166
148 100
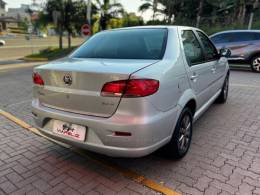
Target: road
224 157
19 47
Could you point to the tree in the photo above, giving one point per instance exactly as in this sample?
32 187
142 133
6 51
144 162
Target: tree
107 11
200 9
150 5
70 16
55 11
255 5
131 19
173 9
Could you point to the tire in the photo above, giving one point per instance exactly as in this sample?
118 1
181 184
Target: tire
222 98
255 64
179 145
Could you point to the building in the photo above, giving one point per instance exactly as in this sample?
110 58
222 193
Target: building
20 13
7 23
2 8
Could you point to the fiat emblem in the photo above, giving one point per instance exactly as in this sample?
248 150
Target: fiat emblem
67 79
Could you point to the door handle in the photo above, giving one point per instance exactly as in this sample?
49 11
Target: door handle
213 70
194 77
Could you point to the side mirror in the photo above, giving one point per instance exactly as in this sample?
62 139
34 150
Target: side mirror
224 52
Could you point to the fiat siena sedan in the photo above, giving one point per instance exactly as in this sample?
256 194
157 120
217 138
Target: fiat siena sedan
129 92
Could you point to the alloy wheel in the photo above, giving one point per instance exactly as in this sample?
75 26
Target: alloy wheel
184 134
256 64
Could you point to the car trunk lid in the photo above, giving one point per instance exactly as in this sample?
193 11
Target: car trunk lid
83 94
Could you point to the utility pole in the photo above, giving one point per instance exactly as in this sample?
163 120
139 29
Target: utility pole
89 9
255 6
200 9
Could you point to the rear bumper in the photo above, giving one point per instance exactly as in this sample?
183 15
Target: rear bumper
147 133
110 150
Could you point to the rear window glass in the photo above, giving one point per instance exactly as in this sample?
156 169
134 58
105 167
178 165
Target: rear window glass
221 38
257 36
241 36
125 44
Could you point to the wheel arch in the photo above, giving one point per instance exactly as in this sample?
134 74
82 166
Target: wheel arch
188 99
192 105
253 55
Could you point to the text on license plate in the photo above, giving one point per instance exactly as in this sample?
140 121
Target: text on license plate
74 131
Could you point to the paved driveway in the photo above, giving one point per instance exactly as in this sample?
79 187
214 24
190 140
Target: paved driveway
224 157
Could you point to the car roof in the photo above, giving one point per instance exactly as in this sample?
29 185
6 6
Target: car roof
234 31
154 27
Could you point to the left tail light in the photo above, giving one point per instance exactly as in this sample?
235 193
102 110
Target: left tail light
37 79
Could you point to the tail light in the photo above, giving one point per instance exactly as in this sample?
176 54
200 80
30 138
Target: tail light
130 88
37 79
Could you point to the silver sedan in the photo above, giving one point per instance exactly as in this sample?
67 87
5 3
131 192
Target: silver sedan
129 92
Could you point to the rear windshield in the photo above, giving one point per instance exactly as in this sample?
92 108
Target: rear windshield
125 44
235 37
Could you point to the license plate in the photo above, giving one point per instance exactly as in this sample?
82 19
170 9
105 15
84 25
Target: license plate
73 131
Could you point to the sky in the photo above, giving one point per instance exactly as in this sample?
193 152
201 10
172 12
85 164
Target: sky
129 5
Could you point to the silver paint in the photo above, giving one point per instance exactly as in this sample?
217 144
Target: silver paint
151 120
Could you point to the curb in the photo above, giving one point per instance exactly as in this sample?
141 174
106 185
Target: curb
29 59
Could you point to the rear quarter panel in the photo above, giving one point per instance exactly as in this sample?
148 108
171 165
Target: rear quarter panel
170 72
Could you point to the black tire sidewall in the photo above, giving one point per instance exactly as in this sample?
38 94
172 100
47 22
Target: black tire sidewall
222 98
226 82
251 64
173 145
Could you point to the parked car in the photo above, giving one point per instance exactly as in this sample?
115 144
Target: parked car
7 36
42 35
244 46
2 42
129 92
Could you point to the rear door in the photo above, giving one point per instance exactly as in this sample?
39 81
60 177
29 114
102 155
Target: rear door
218 65
199 71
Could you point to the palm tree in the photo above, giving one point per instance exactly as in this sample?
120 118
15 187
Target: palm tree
171 9
66 15
150 5
107 11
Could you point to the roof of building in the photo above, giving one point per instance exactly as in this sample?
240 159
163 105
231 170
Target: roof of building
2 2
7 19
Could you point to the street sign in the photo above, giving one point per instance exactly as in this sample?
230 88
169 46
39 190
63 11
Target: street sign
85 30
